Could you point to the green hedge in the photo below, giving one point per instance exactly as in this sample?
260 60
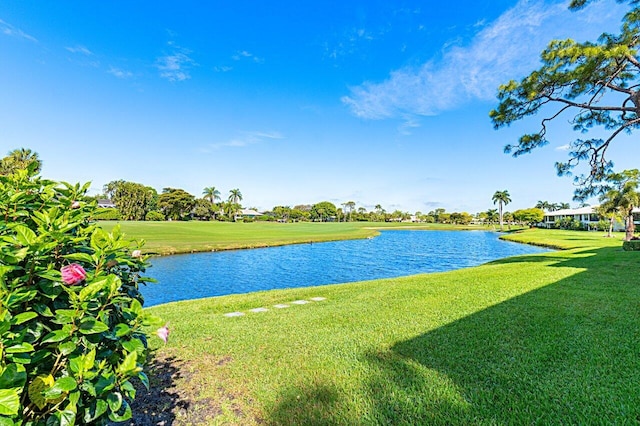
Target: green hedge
633 245
154 216
106 214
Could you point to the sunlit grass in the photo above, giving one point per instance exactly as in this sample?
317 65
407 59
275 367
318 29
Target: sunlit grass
549 338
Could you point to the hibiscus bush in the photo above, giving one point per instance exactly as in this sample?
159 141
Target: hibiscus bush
71 317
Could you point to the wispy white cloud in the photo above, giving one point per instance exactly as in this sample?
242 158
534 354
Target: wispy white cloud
243 54
175 65
565 147
349 42
502 50
8 29
79 49
410 122
222 68
120 73
246 139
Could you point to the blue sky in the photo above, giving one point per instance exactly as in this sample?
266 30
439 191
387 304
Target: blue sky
377 102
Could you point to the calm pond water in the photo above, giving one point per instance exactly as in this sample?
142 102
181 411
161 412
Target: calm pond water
392 254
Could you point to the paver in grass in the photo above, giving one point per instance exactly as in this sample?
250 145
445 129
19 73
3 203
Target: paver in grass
280 306
318 299
300 302
234 314
259 310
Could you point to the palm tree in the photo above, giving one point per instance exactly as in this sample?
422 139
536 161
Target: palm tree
350 205
211 194
544 205
502 198
623 196
609 211
492 215
235 196
379 212
20 159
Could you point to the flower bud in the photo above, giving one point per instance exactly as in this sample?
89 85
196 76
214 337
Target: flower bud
73 274
163 333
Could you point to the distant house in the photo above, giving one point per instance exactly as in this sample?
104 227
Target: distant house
106 204
585 215
250 213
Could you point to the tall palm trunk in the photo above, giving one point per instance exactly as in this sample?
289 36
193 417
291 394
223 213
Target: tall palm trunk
610 234
630 228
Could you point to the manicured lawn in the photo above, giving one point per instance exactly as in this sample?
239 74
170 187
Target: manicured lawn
185 237
551 338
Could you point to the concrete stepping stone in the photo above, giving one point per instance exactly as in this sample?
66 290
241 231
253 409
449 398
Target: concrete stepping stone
234 314
318 299
300 302
281 306
259 310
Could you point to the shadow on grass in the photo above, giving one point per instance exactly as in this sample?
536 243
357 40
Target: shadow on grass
557 258
157 405
312 405
566 353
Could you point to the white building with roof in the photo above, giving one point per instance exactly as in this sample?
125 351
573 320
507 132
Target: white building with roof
585 215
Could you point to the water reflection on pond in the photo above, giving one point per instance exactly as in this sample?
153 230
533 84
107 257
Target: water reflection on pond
392 254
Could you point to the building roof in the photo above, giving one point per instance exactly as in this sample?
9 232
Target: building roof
580 210
568 212
250 212
105 203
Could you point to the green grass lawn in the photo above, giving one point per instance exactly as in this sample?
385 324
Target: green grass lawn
549 338
186 237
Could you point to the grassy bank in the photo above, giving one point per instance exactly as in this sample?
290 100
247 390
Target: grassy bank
550 338
186 237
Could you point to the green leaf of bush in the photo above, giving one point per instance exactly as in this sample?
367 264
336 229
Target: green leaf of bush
9 402
129 363
6 421
56 336
122 329
80 257
37 388
115 401
66 418
20 348
62 385
92 289
23 317
95 410
67 347
13 376
24 235
126 414
92 326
